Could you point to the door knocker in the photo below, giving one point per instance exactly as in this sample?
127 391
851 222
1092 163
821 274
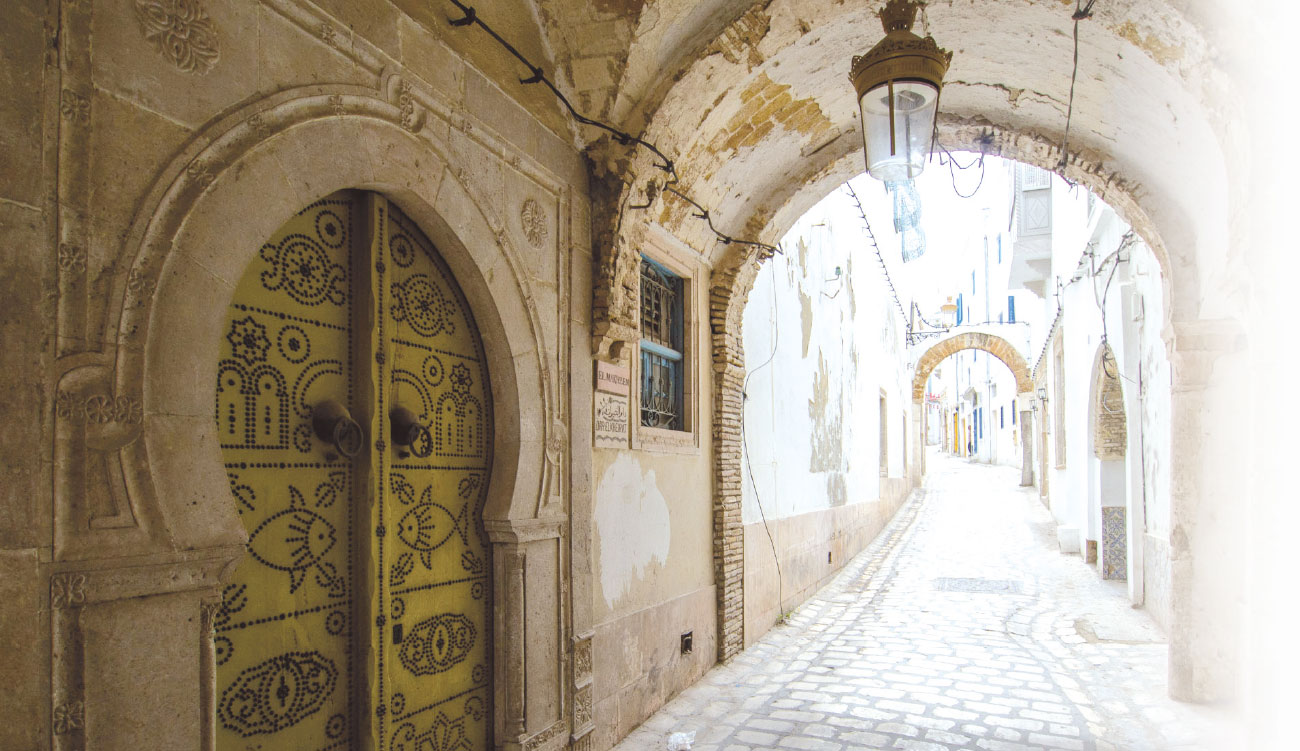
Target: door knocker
334 425
409 434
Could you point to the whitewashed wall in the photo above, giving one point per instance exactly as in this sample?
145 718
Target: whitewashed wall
1134 328
812 412
820 349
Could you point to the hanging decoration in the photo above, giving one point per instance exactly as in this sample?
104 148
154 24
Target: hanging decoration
907 218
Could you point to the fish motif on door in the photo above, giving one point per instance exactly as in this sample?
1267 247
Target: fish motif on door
296 541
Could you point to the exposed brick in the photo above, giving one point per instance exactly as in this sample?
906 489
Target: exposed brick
994 345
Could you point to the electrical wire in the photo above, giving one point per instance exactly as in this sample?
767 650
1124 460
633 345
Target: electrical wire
871 237
536 75
1081 12
1111 368
947 159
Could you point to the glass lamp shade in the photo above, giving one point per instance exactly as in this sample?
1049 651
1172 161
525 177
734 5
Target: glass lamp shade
897 125
898 83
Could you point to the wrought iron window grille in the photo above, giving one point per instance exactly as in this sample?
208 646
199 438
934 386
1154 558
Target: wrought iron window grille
662 348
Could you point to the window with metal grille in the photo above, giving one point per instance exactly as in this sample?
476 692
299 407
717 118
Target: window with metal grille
662 348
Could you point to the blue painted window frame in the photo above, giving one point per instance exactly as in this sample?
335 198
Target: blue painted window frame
663 368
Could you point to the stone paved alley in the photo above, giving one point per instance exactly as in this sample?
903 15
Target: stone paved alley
961 627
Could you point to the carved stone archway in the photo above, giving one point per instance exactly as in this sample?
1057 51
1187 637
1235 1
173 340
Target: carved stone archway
207 214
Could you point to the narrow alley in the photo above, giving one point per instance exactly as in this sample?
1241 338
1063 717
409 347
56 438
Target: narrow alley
960 627
564 375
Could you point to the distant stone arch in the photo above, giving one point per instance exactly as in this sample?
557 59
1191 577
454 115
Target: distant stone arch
990 343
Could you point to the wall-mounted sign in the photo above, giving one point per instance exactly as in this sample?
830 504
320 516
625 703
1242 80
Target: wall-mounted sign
610 421
613 379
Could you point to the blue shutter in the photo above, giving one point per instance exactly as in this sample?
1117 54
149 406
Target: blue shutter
1011 309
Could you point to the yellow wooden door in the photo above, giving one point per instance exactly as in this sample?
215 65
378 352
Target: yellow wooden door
355 419
432 683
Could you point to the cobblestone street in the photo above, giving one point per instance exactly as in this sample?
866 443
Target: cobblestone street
961 627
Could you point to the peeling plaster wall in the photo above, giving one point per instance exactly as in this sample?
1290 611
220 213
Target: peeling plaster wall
652 549
633 528
812 411
653 559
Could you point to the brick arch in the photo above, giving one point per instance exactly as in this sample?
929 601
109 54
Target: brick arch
1106 401
994 345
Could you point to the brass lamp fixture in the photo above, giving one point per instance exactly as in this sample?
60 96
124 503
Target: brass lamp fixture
898 84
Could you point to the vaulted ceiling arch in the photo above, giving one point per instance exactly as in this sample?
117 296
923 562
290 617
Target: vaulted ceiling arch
762 122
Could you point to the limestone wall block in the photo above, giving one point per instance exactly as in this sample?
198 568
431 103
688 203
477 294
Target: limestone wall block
26 328
128 146
24 660
140 681
431 60
189 83
377 21
304 52
22 128
201 514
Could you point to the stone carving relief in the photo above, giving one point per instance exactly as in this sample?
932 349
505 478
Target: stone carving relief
94 424
553 484
582 706
74 107
181 31
67 591
259 125
69 716
400 95
140 285
543 738
99 409
617 274
200 172
328 35
583 715
533 219
209 613
72 258
582 664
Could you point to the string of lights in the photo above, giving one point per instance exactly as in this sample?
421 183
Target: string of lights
536 75
1081 12
871 237
1089 254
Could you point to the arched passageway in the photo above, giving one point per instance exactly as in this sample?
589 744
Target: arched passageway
1110 491
728 120
145 169
996 347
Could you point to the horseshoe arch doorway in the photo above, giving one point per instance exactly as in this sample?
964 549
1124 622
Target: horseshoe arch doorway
355 420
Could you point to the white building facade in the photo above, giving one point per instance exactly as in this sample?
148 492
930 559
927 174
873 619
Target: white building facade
1102 382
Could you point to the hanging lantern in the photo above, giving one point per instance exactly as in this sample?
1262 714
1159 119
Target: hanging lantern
948 314
898 84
